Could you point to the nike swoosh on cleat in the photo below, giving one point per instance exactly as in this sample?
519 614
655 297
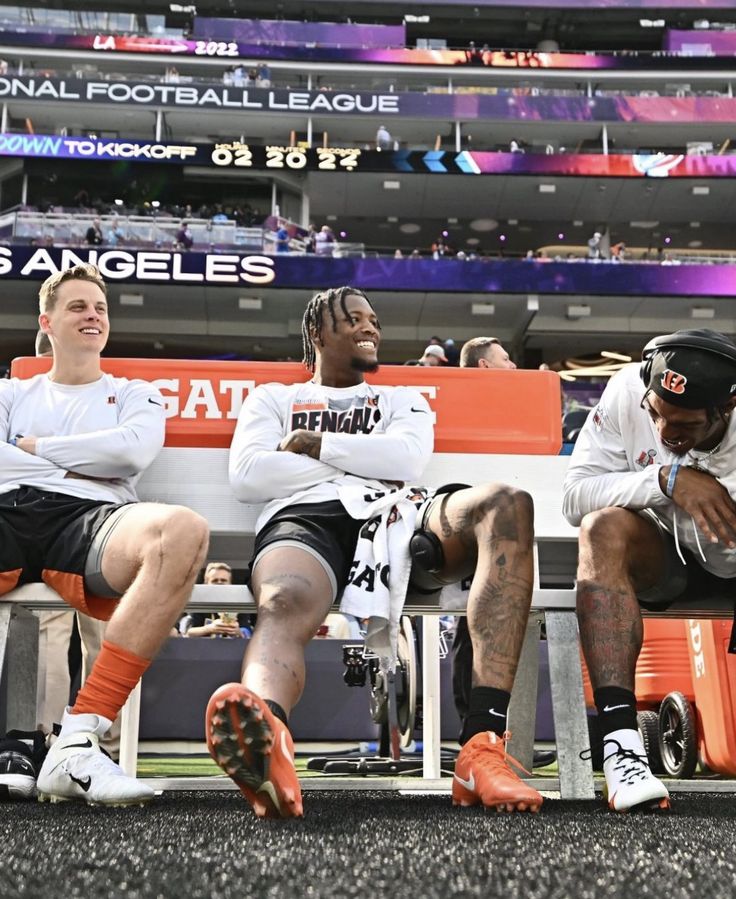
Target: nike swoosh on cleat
497 714
469 784
86 745
418 410
83 783
610 708
153 402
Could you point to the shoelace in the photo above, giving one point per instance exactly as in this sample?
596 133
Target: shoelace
507 757
638 765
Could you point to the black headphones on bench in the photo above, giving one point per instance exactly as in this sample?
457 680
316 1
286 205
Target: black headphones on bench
697 339
425 548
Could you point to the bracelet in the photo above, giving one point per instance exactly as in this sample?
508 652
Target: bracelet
674 468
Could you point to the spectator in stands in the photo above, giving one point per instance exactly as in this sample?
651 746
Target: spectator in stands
515 147
451 351
171 75
433 355
383 139
184 239
74 442
651 483
595 251
116 234
303 557
310 240
219 624
263 76
618 252
282 239
324 241
485 352
94 235
440 248
398 254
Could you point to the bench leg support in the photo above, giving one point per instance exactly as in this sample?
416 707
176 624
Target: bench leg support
523 706
18 668
431 696
129 727
568 705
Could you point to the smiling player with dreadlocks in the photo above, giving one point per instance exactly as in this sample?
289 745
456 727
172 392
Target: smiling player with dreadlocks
324 456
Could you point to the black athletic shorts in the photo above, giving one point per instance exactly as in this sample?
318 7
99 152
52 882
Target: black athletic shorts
47 536
330 534
681 580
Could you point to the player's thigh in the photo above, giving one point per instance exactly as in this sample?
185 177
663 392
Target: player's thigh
456 518
616 541
290 581
172 538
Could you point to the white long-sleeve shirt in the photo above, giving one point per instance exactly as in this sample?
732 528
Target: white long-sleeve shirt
616 462
112 428
370 435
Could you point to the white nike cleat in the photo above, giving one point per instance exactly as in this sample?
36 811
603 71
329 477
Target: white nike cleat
77 768
629 780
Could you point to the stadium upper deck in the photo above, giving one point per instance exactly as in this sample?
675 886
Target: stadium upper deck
602 127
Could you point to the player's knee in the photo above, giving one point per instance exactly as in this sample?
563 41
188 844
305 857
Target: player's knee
605 531
279 602
180 534
510 512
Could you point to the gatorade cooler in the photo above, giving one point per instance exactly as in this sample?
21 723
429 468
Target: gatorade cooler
713 672
664 663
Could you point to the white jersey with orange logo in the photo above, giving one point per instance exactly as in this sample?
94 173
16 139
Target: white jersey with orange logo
107 432
616 462
370 435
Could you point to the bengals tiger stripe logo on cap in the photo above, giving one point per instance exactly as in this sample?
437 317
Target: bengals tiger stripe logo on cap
673 381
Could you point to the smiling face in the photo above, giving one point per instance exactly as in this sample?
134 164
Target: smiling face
682 430
78 321
354 343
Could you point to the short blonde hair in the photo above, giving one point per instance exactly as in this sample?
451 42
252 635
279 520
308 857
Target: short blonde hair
474 350
83 272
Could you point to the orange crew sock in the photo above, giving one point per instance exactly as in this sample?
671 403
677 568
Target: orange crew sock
114 675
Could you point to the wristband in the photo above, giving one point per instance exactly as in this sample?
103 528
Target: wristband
674 468
14 440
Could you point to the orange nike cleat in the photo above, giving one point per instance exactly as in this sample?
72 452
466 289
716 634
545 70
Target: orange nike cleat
483 774
251 745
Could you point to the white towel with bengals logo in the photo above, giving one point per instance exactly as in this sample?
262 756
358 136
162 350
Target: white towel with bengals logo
379 575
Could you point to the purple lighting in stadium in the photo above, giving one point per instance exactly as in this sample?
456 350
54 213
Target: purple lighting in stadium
502 237
445 233
560 236
343 234
668 240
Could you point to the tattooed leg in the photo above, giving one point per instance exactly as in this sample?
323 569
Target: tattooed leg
489 531
620 552
293 595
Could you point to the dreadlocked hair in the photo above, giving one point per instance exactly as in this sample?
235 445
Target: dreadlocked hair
314 317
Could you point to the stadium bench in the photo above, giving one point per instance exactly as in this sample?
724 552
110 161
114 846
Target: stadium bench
515 413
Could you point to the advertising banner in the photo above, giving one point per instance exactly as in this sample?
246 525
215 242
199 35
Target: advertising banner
475 411
701 43
270 31
243 156
524 59
505 104
394 275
